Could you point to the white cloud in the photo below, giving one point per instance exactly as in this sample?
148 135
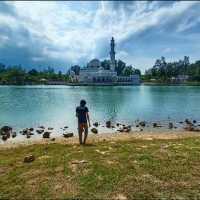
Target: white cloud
68 33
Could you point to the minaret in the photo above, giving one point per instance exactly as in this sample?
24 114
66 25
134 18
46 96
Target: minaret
112 54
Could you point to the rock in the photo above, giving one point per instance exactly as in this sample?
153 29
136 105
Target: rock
41 127
187 121
194 121
94 130
112 126
14 134
137 125
118 124
66 127
142 123
67 135
28 136
155 125
171 125
96 124
4 137
25 131
5 129
189 127
141 129
50 128
29 158
39 131
120 130
30 133
31 129
180 122
53 139
46 134
108 124
126 129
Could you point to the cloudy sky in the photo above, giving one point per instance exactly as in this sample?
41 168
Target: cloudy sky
59 34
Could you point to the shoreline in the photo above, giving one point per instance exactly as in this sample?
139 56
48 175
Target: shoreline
143 83
106 137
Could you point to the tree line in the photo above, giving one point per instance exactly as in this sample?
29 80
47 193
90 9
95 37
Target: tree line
164 72
16 75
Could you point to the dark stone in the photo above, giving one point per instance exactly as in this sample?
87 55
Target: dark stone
31 129
96 124
155 125
29 158
189 127
30 133
137 125
108 124
171 125
194 121
14 134
113 126
66 127
5 129
118 124
141 129
67 135
126 129
53 139
46 134
120 130
39 131
142 123
4 137
28 136
50 128
25 131
180 122
187 121
42 127
94 130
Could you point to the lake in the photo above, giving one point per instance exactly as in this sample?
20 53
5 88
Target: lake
54 106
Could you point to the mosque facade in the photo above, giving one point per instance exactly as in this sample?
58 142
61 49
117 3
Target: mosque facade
95 74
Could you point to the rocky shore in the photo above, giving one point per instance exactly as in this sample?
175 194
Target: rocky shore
9 136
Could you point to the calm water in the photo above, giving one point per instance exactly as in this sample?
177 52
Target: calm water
54 106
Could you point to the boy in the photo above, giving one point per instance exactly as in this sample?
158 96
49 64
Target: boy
83 121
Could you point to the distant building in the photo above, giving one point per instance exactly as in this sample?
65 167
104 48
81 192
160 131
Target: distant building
180 79
94 73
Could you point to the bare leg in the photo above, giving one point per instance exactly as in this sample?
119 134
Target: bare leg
85 134
80 131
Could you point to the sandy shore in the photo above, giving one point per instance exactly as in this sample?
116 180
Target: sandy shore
146 135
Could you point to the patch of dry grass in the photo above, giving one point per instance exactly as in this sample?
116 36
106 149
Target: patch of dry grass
137 169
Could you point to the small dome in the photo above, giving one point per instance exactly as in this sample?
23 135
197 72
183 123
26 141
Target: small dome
94 63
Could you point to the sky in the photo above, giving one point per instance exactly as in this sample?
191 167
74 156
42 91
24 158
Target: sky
59 34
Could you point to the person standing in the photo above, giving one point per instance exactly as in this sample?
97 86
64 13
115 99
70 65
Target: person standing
82 113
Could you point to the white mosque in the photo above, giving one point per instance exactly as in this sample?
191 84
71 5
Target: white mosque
95 74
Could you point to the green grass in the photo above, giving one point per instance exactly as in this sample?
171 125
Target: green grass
136 169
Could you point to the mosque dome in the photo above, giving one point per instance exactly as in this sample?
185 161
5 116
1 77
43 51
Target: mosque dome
94 63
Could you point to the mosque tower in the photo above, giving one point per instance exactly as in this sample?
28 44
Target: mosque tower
112 54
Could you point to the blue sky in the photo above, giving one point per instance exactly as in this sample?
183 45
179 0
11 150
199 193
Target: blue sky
59 34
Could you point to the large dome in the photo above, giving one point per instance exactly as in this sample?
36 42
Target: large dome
94 63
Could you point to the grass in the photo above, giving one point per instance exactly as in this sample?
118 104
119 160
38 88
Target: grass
135 169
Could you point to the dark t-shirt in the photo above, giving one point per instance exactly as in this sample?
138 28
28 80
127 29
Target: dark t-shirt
81 113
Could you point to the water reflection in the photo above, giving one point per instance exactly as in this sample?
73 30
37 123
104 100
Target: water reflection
55 105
